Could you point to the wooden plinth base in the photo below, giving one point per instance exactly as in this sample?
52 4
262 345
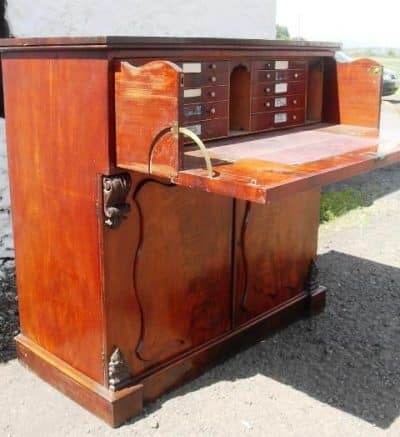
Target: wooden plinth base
116 408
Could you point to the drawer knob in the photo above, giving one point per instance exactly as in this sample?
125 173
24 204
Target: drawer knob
213 111
212 93
268 75
294 117
213 79
296 75
267 90
267 104
213 66
268 65
294 102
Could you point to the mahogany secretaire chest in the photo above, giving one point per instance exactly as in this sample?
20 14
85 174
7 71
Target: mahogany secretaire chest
165 199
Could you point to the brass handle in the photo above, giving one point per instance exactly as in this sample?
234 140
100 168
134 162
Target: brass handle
267 90
294 117
268 75
213 79
296 75
213 111
267 104
212 93
188 133
294 102
268 65
213 66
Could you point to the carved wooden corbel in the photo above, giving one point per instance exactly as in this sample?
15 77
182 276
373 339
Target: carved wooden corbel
311 283
115 190
119 374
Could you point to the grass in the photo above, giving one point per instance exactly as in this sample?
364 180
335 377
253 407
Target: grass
337 203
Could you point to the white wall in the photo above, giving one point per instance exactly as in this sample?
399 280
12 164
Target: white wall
212 18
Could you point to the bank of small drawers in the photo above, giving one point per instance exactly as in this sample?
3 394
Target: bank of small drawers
205 100
278 94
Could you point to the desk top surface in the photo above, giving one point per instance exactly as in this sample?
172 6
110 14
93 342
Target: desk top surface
133 42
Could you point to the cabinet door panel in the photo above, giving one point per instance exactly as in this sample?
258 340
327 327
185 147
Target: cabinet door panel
168 273
275 244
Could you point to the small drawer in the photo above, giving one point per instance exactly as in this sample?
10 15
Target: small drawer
261 121
192 80
277 88
262 104
209 129
204 67
289 75
205 111
279 64
205 94
287 118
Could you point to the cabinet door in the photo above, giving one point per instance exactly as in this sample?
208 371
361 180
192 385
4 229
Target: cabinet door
168 273
275 244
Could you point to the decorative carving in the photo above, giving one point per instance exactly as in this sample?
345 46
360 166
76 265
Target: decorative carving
115 190
311 283
140 342
118 371
245 222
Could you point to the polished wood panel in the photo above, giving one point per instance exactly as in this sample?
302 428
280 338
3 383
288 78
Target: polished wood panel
359 92
147 107
275 245
53 163
267 167
168 273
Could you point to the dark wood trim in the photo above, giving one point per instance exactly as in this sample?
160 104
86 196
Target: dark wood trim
133 42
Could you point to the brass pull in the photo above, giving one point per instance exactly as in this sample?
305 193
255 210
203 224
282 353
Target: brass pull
213 79
212 93
268 75
375 70
213 111
267 90
296 75
188 133
294 102
213 66
267 104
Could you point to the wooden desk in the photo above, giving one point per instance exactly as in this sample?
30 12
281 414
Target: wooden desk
138 264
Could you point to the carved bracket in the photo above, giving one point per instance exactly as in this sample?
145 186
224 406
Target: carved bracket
119 374
311 283
115 190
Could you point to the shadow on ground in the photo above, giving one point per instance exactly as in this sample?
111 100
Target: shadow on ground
373 185
347 357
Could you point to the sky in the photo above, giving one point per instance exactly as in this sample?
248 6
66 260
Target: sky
355 23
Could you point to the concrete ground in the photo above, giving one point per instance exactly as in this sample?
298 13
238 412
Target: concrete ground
337 374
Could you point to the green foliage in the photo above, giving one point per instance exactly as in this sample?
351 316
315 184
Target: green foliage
282 32
336 203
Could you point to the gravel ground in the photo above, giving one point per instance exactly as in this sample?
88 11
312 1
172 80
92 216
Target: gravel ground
337 374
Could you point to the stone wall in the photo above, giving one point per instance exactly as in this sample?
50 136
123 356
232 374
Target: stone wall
207 18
